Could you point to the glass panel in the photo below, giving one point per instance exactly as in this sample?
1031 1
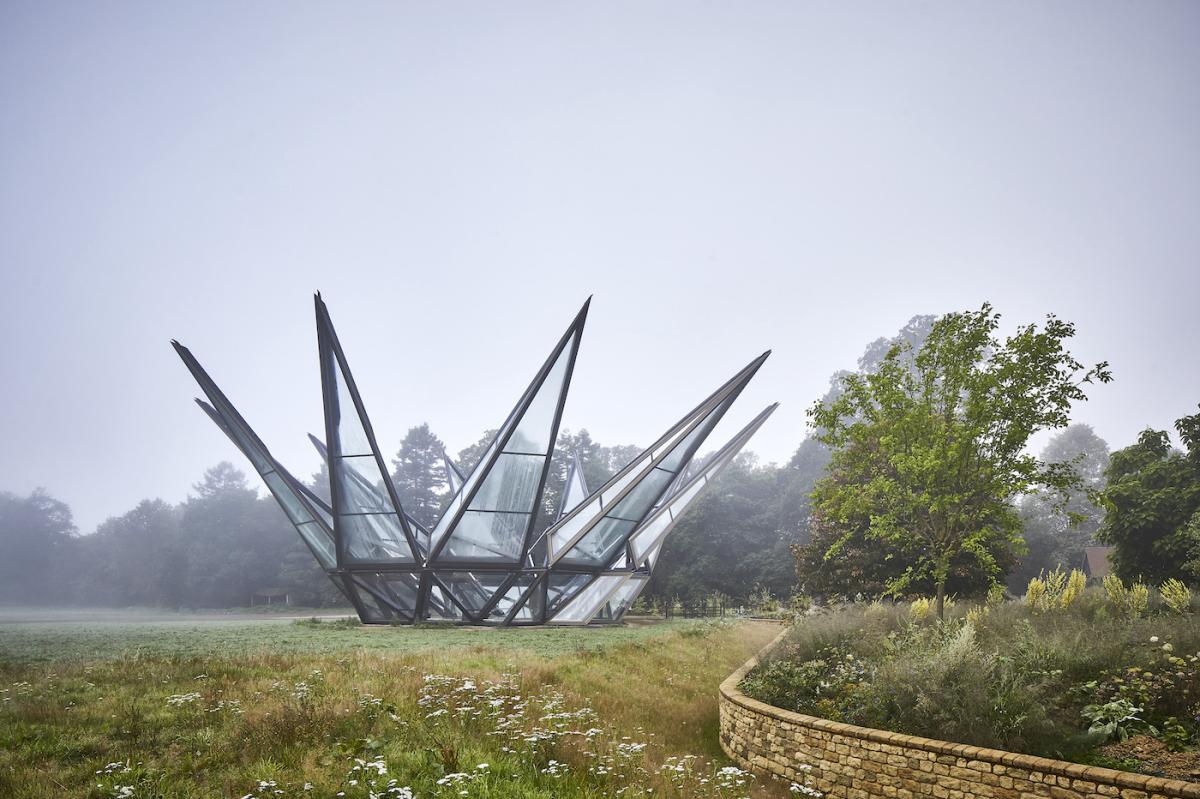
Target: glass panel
511 485
589 600
401 590
360 487
561 587
641 497
687 447
511 596
487 536
610 493
653 530
600 544
561 537
532 608
534 432
347 426
441 608
245 442
575 491
320 543
648 533
287 498
625 596
473 590
375 536
372 610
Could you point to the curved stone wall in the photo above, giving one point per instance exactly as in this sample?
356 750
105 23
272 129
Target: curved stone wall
850 762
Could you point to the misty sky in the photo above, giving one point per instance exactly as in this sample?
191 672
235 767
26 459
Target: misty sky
456 178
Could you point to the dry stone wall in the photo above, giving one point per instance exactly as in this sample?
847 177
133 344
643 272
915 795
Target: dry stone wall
849 762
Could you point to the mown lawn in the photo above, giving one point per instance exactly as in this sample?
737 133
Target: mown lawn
278 708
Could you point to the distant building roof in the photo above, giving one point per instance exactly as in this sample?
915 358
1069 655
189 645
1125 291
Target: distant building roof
1095 561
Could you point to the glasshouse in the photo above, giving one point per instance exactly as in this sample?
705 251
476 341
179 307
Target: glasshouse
493 556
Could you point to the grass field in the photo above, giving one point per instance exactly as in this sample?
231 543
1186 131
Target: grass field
233 707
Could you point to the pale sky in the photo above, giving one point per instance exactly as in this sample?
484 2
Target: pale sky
456 178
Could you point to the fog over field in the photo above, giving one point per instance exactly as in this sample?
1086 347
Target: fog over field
457 179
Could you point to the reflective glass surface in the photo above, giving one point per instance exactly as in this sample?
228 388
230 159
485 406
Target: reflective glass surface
482 536
535 430
473 590
319 542
287 499
352 437
374 536
360 487
600 543
642 496
511 485
511 596
561 587
589 600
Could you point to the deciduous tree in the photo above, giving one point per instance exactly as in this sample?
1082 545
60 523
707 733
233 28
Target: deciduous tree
930 455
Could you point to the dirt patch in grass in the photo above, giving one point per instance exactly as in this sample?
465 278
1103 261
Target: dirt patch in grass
1157 757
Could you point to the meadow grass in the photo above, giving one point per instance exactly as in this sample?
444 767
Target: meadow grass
235 636
265 709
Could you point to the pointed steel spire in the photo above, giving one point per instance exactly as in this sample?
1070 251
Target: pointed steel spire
454 478
365 529
593 533
575 488
490 519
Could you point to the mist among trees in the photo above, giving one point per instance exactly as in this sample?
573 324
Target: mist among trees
811 525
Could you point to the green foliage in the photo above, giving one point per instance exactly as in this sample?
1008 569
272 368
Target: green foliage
1116 719
1007 677
1055 590
1153 506
34 531
929 450
730 541
1130 601
482 719
419 474
1176 596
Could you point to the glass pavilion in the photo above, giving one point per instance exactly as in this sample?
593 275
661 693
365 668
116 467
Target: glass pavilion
486 560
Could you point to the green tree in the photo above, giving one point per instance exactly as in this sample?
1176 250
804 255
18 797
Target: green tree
35 532
136 558
930 456
730 541
419 474
1153 506
592 457
234 541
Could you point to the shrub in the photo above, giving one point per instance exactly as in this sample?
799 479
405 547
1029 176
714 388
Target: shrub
1055 590
1115 719
1176 596
1036 596
1131 601
920 608
1001 674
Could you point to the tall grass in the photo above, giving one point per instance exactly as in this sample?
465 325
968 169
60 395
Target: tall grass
488 718
1014 676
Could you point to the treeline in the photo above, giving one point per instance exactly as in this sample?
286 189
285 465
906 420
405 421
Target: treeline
754 531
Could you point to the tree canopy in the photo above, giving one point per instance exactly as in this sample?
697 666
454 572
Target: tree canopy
929 450
1153 506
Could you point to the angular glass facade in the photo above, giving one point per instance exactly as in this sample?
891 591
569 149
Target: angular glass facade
489 559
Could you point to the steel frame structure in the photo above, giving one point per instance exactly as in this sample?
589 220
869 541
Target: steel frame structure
485 561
